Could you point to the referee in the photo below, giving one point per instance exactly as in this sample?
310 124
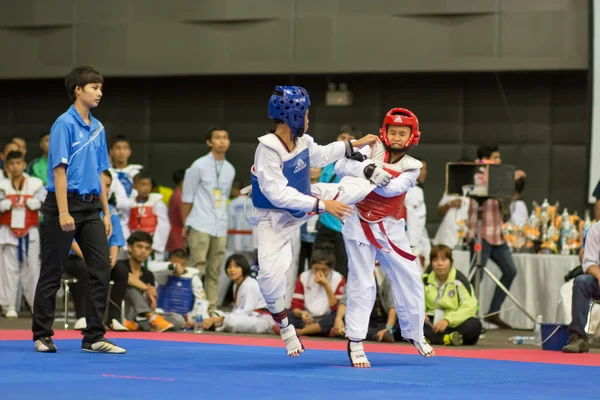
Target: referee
76 159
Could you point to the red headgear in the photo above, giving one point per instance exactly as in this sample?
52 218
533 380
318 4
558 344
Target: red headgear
401 117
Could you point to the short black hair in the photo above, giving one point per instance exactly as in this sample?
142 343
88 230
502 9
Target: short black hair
211 129
139 236
13 137
179 253
520 185
14 155
485 151
351 129
44 134
119 138
5 145
107 174
241 261
143 174
178 176
324 254
80 76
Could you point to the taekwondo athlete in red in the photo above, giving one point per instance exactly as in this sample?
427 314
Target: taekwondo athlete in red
20 199
376 230
283 197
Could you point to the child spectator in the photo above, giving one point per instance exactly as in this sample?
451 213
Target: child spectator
317 294
450 302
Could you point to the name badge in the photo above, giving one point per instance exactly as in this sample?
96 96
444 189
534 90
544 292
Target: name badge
17 218
218 198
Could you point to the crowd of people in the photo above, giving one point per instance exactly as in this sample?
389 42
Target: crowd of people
286 254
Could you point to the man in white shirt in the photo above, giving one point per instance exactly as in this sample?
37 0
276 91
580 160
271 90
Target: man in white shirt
585 289
206 188
518 208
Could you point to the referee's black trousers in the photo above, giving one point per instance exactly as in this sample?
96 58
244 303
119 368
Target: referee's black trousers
56 244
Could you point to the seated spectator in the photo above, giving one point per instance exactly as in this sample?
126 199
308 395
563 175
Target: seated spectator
316 295
76 267
179 287
149 214
250 313
450 302
383 326
141 296
586 288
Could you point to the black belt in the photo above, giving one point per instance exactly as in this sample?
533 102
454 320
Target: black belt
86 198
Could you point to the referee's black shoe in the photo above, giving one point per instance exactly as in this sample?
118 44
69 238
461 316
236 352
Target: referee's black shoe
102 346
45 345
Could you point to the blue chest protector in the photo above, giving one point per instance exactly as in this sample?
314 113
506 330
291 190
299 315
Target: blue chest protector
124 179
176 296
297 173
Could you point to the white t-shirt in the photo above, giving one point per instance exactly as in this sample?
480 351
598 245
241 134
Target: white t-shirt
448 231
518 212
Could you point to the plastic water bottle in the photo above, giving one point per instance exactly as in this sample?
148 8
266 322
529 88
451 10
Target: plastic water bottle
522 340
537 330
198 317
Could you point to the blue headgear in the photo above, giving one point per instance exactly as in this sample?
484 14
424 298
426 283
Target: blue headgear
289 104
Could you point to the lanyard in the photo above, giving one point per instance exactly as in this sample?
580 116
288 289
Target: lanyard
218 168
20 190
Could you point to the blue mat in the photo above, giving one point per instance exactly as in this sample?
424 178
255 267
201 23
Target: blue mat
173 370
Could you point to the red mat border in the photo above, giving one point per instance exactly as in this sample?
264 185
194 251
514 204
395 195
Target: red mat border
521 355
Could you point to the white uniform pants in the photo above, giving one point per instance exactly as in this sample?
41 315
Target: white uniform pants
14 275
254 323
404 275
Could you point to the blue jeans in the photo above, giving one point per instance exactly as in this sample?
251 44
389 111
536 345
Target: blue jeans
503 258
585 289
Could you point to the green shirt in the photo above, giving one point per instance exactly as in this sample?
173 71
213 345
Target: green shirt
39 168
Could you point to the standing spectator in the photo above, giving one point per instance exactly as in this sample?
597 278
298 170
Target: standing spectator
206 188
22 143
416 220
518 208
39 166
175 213
329 227
7 147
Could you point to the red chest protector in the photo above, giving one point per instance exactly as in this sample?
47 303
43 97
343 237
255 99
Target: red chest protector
143 218
375 207
31 217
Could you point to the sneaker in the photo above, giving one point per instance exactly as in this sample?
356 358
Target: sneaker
159 324
130 325
453 339
576 344
11 312
80 324
115 325
102 346
45 345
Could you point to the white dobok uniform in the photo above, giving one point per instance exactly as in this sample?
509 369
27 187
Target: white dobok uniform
250 313
376 230
20 239
278 231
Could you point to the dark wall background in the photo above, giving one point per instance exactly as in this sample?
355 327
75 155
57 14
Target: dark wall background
45 38
539 119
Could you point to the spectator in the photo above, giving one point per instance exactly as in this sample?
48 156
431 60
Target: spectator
22 143
383 322
586 288
250 313
39 166
518 209
175 217
206 188
120 151
329 228
20 199
316 296
141 295
165 191
416 220
450 302
149 214
77 268
7 147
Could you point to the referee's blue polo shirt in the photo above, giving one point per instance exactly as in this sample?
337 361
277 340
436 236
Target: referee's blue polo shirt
82 148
